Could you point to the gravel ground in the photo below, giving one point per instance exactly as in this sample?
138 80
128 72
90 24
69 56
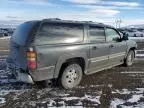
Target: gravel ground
114 88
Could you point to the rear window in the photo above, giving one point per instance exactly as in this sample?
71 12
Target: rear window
96 34
22 32
57 33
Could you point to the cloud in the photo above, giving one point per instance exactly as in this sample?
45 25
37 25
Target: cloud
129 4
105 12
109 7
37 2
88 16
93 15
82 1
15 14
104 2
94 10
132 22
32 2
12 17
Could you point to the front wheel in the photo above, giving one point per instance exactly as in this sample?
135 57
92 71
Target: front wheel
130 58
71 76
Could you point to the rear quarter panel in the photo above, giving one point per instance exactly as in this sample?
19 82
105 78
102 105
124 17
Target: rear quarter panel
51 57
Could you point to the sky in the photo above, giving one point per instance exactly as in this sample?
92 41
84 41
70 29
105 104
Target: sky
130 12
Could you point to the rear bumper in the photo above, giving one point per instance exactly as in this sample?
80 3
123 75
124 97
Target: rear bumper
20 76
43 74
24 78
30 77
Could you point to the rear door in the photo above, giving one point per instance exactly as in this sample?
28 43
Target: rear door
99 49
19 42
117 48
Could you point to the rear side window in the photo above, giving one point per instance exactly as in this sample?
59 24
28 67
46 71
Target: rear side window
22 32
96 34
55 33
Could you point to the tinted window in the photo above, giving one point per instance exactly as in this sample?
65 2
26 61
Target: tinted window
52 33
21 34
96 34
111 34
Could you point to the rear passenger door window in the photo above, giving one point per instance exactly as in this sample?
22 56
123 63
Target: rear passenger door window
96 34
57 33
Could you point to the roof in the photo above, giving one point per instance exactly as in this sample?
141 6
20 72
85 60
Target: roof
78 22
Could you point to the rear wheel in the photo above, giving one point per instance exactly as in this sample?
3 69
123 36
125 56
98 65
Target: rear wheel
130 58
71 76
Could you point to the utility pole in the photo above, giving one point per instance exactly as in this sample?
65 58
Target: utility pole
118 23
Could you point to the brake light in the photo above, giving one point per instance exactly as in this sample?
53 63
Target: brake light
31 60
31 54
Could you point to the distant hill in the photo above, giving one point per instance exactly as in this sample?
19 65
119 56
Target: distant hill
135 26
10 23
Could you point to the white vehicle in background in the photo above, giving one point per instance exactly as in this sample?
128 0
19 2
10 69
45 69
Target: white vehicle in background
130 33
135 33
136 36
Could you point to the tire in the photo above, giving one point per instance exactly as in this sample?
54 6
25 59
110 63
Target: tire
71 76
130 58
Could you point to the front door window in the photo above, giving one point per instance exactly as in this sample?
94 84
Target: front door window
112 35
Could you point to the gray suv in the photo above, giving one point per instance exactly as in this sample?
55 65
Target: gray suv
63 51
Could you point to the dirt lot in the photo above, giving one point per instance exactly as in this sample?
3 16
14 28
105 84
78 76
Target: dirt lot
113 88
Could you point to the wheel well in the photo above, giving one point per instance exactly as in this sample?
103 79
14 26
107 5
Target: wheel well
133 48
78 60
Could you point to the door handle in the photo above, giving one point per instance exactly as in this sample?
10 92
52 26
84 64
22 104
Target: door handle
111 46
94 47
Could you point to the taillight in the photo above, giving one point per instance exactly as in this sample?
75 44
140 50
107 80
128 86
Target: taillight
31 60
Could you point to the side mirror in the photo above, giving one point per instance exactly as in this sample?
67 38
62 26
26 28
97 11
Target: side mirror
125 37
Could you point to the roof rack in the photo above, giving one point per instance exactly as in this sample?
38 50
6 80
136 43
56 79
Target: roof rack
52 19
72 21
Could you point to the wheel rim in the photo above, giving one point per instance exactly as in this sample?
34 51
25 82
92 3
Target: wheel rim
71 76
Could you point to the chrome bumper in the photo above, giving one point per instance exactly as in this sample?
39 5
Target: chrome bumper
20 76
24 78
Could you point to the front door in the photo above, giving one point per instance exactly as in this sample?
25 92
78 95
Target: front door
99 49
117 48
